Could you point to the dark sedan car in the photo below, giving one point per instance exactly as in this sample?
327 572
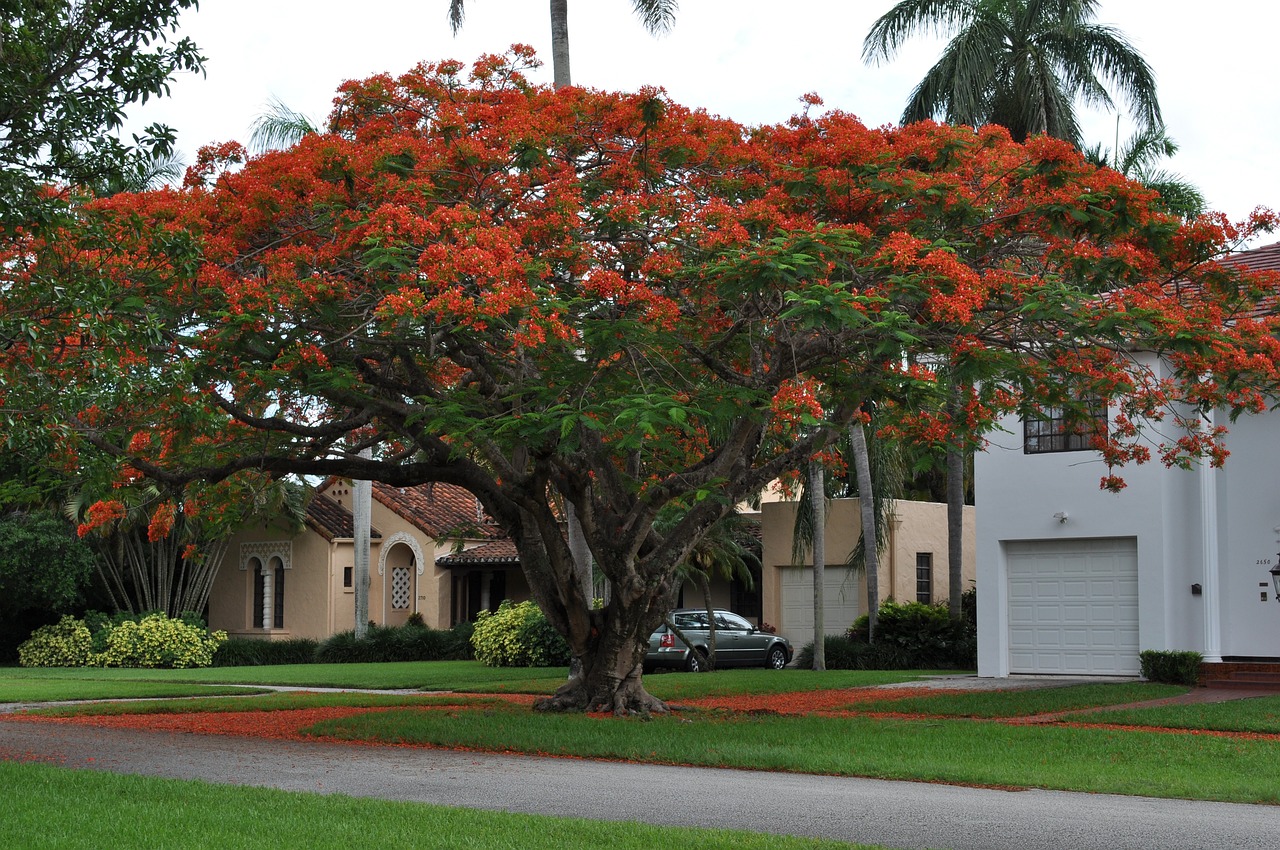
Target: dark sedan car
738 643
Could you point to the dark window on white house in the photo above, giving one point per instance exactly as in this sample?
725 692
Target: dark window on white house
924 577
1053 430
348 577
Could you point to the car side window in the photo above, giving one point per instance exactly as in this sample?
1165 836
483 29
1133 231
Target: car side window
732 622
690 621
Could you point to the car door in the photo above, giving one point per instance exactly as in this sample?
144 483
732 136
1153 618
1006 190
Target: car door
737 644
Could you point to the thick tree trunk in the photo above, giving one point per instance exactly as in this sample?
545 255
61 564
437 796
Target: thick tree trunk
611 677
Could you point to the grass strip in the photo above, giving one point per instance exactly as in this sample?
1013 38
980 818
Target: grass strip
417 675
465 676
128 812
279 701
1255 714
71 689
1024 703
952 751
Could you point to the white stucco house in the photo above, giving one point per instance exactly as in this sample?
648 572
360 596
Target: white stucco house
1073 579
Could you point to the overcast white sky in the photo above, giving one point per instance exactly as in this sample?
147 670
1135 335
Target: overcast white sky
749 60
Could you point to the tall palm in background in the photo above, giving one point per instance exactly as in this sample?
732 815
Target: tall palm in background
657 16
1138 159
1022 64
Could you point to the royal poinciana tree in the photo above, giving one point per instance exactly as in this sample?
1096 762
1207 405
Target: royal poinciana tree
612 301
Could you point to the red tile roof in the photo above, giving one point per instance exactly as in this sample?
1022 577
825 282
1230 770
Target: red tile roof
498 552
1264 259
331 520
441 510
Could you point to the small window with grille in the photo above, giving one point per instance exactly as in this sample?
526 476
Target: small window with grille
924 577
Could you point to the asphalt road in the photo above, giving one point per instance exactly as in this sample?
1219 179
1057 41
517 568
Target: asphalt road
896 814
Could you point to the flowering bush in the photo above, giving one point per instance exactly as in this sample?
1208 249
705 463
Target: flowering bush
518 636
157 641
64 644
153 641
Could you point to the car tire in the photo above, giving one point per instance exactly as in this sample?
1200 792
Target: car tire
695 661
776 659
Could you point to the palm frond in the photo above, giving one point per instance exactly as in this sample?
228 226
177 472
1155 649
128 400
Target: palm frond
279 127
658 16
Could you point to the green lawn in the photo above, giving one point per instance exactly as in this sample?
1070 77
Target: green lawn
55 690
142 813
938 745
941 750
415 675
1257 714
464 676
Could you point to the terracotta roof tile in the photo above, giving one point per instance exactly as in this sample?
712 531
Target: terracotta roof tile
331 520
1266 258
441 510
498 552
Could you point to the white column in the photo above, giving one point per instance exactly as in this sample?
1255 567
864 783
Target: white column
485 579
361 516
1209 541
268 582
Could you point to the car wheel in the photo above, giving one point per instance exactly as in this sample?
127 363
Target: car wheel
695 661
777 658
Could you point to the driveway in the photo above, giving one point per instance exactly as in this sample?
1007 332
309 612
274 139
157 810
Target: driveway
896 814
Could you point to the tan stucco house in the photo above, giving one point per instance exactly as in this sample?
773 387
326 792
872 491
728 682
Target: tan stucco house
913 565
434 552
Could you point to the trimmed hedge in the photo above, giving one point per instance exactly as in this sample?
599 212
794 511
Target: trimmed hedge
397 643
251 652
909 636
1170 667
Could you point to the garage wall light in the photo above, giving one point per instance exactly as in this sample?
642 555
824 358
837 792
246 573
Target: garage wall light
1061 516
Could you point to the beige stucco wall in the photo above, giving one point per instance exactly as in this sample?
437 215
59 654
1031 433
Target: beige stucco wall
918 527
306 586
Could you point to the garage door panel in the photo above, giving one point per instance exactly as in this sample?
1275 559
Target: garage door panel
840 602
1073 607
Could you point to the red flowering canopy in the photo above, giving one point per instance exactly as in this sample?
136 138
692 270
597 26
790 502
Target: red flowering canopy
611 300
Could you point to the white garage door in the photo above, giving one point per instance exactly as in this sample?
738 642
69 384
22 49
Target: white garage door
840 602
1073 607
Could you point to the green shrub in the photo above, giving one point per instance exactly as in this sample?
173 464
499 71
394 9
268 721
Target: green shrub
66 643
1171 667
253 652
157 641
909 636
122 640
518 636
397 643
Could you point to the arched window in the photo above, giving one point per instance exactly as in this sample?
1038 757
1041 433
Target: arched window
268 594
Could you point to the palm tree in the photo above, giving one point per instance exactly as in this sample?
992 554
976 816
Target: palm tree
657 16
1137 159
279 127
818 499
1022 64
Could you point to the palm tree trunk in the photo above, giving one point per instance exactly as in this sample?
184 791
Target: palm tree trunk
705 584
867 508
560 42
955 514
818 498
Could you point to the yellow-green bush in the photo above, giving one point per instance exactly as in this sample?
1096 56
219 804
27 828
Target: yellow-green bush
157 641
153 641
518 636
66 643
